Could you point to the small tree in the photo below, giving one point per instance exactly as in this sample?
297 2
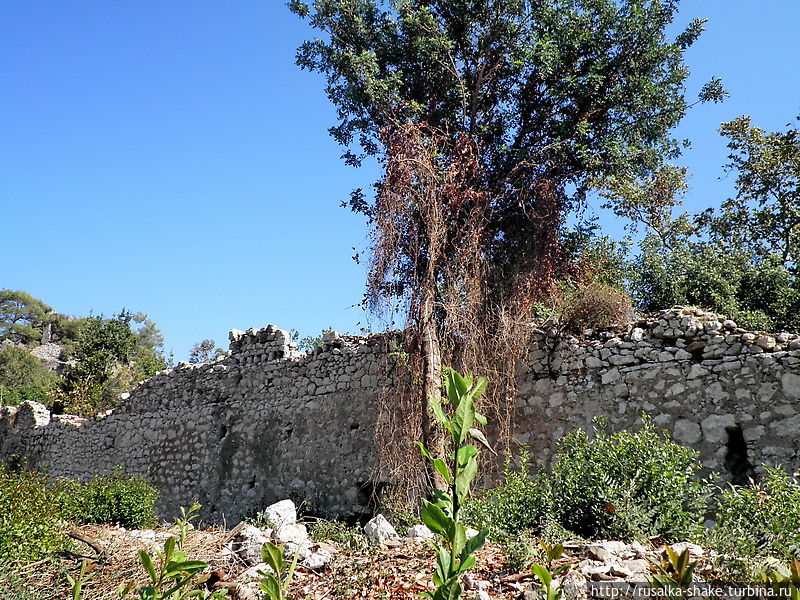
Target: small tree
205 351
455 555
23 317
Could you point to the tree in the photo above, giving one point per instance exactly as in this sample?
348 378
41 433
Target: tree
148 352
23 317
492 119
102 367
739 259
205 351
765 214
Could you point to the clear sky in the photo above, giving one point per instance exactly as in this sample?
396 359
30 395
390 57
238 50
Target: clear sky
168 157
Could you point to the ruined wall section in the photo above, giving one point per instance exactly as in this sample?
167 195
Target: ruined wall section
260 425
732 394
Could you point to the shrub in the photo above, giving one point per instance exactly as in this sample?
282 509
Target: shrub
23 377
339 532
126 500
623 485
626 485
761 518
29 518
593 305
519 502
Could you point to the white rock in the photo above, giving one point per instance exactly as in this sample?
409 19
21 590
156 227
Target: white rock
279 514
250 540
317 559
379 530
420 532
291 532
252 573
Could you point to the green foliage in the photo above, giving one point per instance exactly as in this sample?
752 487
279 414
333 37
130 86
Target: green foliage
110 356
526 105
205 351
147 356
759 293
626 485
608 82
126 500
784 578
172 575
275 584
23 377
455 555
339 532
740 259
609 486
29 518
764 217
518 503
22 317
759 519
551 588
76 583
674 573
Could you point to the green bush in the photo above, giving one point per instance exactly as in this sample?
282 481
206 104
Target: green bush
759 519
126 500
518 503
627 485
30 527
339 532
14 588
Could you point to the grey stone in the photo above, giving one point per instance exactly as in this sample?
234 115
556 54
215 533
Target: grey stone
714 427
420 532
379 531
280 513
686 432
249 541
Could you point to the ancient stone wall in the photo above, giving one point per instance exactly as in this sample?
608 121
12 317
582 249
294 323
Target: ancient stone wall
267 422
257 426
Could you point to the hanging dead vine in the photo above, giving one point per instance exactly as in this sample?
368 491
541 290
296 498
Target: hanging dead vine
434 231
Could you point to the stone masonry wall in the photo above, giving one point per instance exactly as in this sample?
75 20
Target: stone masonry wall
267 422
257 426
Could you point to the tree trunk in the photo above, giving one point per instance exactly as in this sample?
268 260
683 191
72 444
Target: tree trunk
431 356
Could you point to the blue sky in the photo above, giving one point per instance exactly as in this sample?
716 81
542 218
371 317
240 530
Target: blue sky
168 157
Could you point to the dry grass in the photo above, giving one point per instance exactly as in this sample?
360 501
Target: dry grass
376 574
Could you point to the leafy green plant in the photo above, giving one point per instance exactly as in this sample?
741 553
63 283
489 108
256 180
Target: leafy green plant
456 554
127 500
551 587
546 574
30 527
172 575
626 485
275 584
519 502
673 573
784 577
76 583
340 533
761 518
